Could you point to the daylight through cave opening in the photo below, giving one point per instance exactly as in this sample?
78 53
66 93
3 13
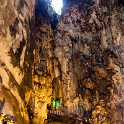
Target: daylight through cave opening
54 11
57 6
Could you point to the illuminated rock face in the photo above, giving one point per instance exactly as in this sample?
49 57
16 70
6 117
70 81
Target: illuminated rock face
81 62
16 56
43 64
89 47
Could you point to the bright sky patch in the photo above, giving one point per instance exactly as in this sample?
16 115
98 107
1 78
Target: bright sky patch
57 6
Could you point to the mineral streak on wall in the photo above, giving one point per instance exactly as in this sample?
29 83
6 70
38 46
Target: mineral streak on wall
16 56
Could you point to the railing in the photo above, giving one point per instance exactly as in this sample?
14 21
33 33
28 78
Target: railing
56 112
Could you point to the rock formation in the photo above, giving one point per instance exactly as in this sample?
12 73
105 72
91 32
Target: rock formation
43 64
78 57
89 47
16 57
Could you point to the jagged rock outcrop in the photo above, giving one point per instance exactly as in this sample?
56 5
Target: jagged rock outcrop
89 47
16 57
80 61
87 59
43 64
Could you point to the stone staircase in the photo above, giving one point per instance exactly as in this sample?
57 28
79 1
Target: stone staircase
58 116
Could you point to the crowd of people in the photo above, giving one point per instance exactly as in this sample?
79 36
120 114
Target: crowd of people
6 119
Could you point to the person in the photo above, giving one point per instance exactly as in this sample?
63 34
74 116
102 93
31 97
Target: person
9 122
53 104
1 118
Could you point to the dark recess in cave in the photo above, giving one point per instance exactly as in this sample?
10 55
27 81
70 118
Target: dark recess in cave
121 2
54 20
42 9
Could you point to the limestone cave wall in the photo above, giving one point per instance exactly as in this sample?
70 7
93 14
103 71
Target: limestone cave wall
89 47
86 59
16 57
43 64
80 60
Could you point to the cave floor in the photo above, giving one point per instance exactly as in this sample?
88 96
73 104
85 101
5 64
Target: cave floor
58 119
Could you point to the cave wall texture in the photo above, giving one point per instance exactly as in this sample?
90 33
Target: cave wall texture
81 60
43 64
16 57
89 43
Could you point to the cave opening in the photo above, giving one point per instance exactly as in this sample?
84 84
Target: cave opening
54 11
57 6
49 9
